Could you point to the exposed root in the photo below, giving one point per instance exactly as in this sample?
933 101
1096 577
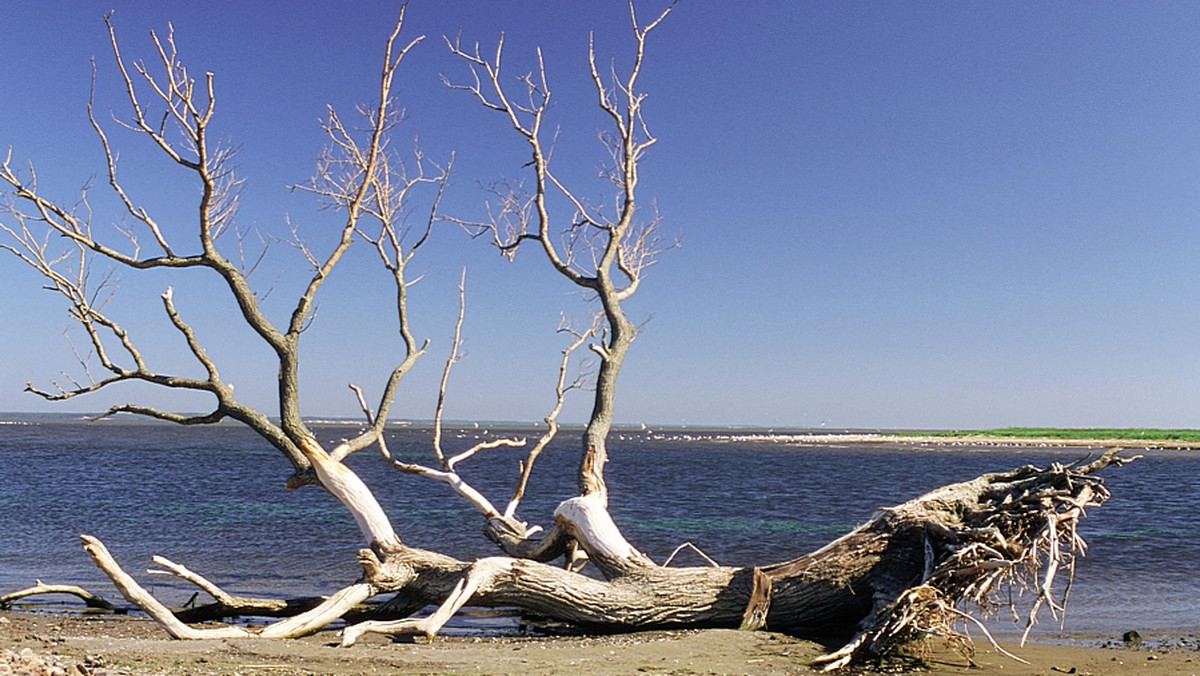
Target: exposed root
1016 534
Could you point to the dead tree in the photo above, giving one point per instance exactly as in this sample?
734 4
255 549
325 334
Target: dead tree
902 574
603 252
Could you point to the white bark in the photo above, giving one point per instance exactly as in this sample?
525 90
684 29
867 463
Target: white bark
587 520
350 490
137 595
480 574
90 599
454 481
318 618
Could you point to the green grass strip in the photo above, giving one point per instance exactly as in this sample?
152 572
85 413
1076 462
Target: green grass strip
1105 433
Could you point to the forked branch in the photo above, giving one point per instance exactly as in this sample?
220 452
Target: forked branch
445 472
603 253
561 388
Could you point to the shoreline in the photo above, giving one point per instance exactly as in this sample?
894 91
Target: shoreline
120 645
750 432
832 438
131 644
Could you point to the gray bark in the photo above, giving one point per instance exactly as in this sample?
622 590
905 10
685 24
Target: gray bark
850 586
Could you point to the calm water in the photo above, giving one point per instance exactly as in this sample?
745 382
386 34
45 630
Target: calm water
213 499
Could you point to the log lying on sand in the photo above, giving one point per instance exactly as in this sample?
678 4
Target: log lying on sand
910 571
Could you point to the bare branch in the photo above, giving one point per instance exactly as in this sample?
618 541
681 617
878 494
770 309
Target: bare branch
694 548
526 119
352 191
560 392
455 346
452 479
483 446
63 221
89 599
391 195
447 473
177 123
604 254
198 352
166 416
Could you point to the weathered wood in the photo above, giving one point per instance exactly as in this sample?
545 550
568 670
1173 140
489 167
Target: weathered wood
89 599
909 566
755 616
137 595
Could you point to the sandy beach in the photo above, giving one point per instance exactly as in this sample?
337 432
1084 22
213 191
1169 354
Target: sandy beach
116 645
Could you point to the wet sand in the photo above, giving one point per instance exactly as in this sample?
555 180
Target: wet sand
117 645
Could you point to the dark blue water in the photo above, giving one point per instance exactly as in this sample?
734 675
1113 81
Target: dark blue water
213 499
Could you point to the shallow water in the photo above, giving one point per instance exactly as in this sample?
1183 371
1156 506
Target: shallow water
212 498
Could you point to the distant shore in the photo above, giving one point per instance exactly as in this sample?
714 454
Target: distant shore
920 439
1133 438
1062 438
991 440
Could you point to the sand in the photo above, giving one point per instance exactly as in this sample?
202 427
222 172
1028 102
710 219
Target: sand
118 645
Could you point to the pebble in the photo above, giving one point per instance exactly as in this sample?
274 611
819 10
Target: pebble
26 662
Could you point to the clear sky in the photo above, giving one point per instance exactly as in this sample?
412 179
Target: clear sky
934 214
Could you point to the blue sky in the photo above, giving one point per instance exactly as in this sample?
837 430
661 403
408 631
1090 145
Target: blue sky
934 214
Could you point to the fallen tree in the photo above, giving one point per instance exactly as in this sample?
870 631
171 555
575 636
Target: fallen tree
904 573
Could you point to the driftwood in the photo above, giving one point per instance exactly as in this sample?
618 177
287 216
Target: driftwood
89 599
911 571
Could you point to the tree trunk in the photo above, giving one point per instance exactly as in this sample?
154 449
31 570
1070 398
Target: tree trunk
909 566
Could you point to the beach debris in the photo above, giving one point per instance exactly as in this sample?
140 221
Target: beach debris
90 600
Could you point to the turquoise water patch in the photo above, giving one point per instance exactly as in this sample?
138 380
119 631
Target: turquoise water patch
685 524
1139 534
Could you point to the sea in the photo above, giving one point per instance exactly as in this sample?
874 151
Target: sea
213 499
